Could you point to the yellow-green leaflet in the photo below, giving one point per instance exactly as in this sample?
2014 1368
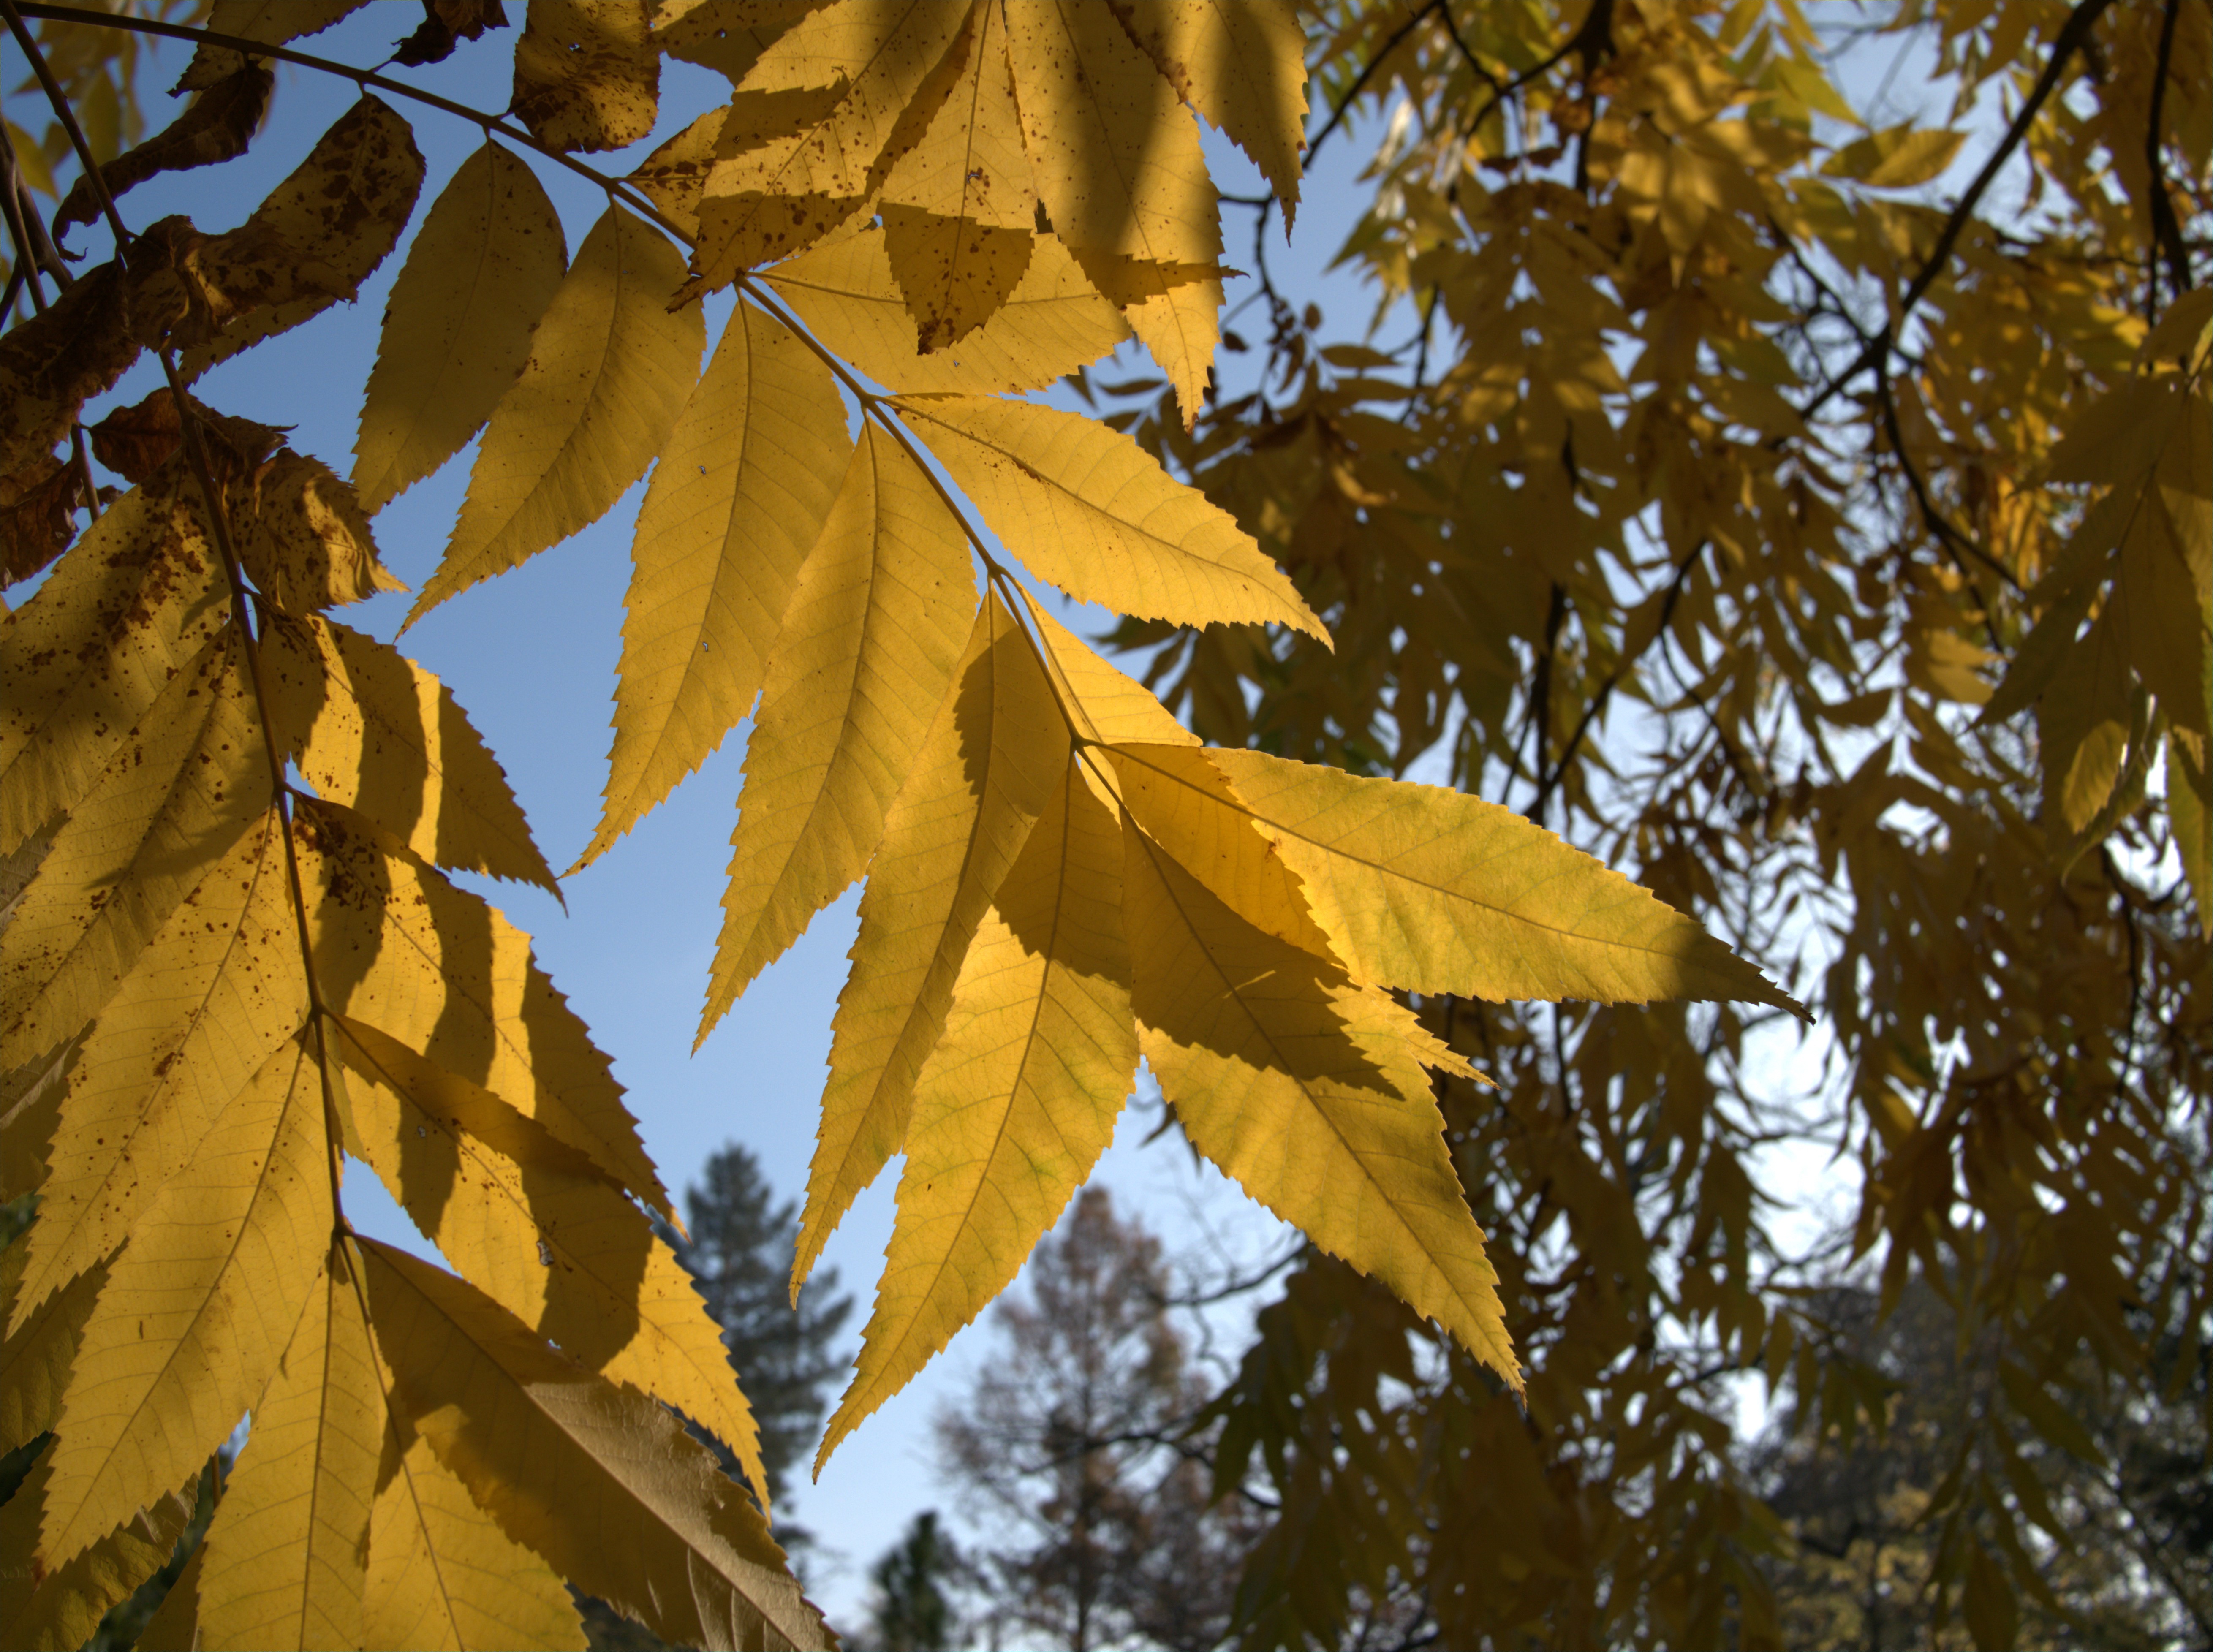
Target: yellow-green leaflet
1435 891
737 502
984 775
1088 508
371 729
484 267
1306 1092
198 1308
59 1611
286 1547
610 366
866 650
603 1483
1019 1099
1052 324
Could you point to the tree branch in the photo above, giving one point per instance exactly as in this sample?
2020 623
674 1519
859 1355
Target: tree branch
2072 37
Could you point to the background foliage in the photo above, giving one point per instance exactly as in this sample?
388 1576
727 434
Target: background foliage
1837 561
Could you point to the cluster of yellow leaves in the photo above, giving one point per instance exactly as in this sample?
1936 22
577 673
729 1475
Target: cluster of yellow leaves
234 957
1847 561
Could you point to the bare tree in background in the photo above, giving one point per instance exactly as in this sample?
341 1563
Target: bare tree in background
1072 1448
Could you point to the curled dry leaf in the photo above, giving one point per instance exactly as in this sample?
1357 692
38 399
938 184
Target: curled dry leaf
215 126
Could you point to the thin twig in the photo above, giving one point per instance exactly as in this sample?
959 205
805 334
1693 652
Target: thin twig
2072 36
2166 232
1360 82
1597 706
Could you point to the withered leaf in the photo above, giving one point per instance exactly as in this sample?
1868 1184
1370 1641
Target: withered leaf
216 126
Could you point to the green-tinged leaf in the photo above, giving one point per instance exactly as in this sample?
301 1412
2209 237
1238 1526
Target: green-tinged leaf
866 650
1306 1091
984 775
598 1480
1018 1099
1086 508
609 368
483 268
737 502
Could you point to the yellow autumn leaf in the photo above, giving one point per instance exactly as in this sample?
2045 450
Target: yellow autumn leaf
985 773
55 1610
1175 310
214 995
1897 157
1088 508
1306 1091
610 366
191 781
959 210
1108 706
1018 1099
726 36
816 124
441 1576
34 1361
1115 156
868 648
533 1224
484 266
303 538
1052 324
286 1550
198 1309
141 595
674 176
342 209
1242 64
30 1106
603 1483
1435 891
369 729
587 76
1188 807
1117 162
737 502
399 949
